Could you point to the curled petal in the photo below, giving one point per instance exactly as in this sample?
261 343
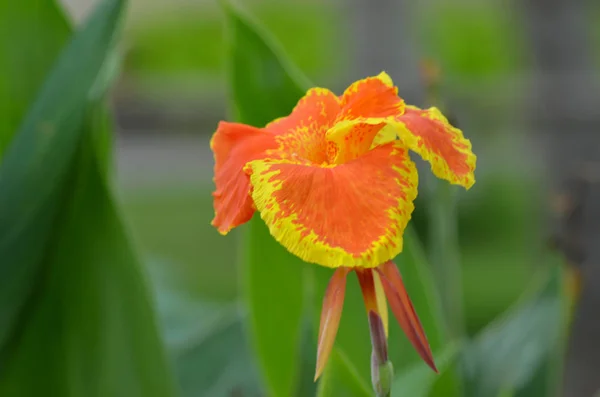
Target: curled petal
429 133
404 311
302 133
233 146
373 97
368 106
331 313
351 139
353 214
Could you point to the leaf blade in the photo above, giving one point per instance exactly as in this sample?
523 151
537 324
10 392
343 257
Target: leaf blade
263 86
35 165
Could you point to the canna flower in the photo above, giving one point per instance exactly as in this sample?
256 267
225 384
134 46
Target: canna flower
334 183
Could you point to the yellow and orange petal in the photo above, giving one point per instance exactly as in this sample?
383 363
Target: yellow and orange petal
429 133
331 313
233 146
373 97
302 133
352 214
368 105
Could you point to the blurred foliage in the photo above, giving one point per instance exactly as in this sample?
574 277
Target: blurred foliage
474 40
177 42
24 63
75 309
76 314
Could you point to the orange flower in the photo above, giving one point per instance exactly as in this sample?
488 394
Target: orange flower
334 183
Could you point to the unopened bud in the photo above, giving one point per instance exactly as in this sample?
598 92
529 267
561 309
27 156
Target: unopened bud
382 370
382 376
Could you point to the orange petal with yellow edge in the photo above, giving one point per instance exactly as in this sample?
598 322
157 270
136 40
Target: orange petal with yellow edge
302 133
368 105
331 313
404 311
429 133
373 97
233 146
352 214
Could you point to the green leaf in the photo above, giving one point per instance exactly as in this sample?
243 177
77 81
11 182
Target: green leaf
205 340
419 380
340 379
421 288
89 329
265 86
507 354
32 33
35 166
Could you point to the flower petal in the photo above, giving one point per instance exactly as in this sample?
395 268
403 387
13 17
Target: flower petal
429 133
233 146
368 105
351 214
302 133
373 97
404 311
331 313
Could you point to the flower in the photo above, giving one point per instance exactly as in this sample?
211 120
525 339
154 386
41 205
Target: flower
335 184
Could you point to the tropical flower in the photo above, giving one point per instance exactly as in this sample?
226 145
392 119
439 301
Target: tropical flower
335 184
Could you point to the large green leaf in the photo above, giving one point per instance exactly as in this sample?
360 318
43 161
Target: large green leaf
265 86
89 329
508 354
34 169
340 379
420 285
419 380
205 340
32 32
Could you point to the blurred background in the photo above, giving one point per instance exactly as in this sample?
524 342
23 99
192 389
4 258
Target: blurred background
522 78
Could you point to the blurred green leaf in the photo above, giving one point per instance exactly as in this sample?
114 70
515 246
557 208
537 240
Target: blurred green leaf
340 379
419 380
444 252
264 86
205 340
507 354
32 33
420 285
89 329
35 165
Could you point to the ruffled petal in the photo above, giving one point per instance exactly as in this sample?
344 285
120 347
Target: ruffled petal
368 106
373 97
429 133
302 133
352 214
233 146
